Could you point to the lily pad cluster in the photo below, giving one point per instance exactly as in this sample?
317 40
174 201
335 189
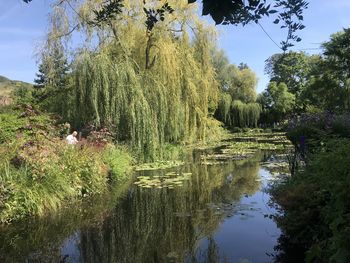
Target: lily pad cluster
158 165
168 180
245 145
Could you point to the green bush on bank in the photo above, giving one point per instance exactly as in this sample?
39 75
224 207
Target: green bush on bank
316 201
118 161
316 204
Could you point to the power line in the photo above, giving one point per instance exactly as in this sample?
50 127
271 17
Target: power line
311 48
263 29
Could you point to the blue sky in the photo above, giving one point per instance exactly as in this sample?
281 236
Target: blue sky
22 28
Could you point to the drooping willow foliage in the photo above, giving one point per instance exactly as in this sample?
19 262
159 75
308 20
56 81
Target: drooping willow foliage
235 113
150 88
245 114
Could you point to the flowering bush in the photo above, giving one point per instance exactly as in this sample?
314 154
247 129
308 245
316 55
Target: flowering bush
315 129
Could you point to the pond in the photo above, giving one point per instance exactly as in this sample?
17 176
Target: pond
191 213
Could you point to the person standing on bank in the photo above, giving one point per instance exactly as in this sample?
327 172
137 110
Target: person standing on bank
72 138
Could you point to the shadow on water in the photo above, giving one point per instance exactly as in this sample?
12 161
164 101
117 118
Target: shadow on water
219 215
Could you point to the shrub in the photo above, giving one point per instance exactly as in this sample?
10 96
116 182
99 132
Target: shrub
316 205
315 129
118 160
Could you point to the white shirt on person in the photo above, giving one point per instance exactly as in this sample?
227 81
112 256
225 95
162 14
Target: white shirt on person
71 139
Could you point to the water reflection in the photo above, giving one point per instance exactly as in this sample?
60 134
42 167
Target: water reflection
192 223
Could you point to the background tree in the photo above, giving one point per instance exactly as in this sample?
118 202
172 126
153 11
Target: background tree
243 84
277 102
328 86
236 107
52 80
293 69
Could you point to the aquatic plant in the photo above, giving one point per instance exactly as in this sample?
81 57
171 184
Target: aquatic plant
168 180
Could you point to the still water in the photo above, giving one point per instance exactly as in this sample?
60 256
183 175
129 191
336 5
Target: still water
220 214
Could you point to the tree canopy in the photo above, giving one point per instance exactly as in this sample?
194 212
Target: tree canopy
316 82
292 69
149 88
237 84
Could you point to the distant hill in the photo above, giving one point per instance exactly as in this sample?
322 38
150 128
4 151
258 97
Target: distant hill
7 86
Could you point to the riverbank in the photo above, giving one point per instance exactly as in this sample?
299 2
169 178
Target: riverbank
315 218
40 173
223 204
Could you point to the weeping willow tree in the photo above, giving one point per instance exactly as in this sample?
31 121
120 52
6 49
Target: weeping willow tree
223 112
235 113
245 114
236 105
149 86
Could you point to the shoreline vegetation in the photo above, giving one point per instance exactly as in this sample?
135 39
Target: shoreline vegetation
314 201
40 172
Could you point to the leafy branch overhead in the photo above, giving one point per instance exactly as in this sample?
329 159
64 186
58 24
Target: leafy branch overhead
153 16
289 14
108 11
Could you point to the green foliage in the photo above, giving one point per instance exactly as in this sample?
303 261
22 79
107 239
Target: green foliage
118 161
316 205
51 84
22 123
39 172
318 82
148 89
236 107
22 95
292 68
237 113
315 200
14 91
244 115
277 102
240 82
316 129
337 51
329 83
243 85
42 183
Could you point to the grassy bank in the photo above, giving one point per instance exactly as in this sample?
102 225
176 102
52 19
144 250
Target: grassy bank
315 200
39 172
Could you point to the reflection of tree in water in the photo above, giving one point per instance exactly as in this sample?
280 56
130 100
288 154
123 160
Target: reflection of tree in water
162 225
210 254
40 240
287 251
147 225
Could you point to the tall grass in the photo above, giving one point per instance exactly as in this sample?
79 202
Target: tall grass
50 177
